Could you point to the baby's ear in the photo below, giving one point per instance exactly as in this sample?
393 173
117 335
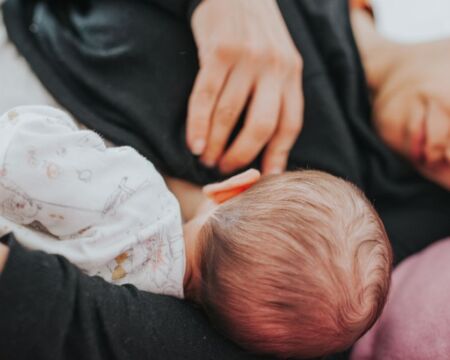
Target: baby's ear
227 189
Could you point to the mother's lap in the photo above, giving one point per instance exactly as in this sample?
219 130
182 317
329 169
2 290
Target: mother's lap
415 322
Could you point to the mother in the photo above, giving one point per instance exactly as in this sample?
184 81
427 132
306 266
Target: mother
77 48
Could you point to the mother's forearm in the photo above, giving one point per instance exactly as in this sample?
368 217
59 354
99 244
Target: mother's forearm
50 310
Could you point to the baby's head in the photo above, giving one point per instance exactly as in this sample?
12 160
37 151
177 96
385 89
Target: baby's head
296 266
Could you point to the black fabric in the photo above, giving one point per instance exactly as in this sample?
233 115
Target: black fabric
181 8
126 69
49 310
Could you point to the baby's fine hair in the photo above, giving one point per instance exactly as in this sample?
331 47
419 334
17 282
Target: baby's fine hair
297 266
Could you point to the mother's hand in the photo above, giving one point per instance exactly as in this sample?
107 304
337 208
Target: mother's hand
246 56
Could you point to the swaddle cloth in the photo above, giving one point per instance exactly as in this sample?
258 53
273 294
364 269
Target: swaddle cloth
105 209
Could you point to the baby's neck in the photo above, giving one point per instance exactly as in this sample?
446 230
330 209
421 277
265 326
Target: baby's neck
191 231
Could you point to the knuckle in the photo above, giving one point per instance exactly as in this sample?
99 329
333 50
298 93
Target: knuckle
285 61
226 50
254 53
225 114
205 93
280 61
272 57
279 55
197 115
262 132
297 64
206 58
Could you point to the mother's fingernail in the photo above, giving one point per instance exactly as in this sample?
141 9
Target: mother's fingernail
198 146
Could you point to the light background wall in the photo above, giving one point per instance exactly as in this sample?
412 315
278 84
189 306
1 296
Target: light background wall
413 20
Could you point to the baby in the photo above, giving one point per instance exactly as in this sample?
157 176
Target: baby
293 265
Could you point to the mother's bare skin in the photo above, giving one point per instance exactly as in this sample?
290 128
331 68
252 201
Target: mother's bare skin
4 251
410 85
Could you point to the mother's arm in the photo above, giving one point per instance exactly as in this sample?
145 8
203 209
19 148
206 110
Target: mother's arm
50 310
247 60
246 57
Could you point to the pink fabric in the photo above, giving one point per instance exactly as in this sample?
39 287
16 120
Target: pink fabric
416 321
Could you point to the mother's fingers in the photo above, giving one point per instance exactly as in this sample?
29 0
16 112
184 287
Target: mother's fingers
437 134
259 126
277 152
227 111
207 88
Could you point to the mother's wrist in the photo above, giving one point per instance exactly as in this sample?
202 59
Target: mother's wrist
4 252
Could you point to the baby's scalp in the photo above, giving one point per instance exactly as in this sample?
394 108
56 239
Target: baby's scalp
297 266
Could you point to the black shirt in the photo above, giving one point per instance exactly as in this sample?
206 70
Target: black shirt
126 69
49 310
